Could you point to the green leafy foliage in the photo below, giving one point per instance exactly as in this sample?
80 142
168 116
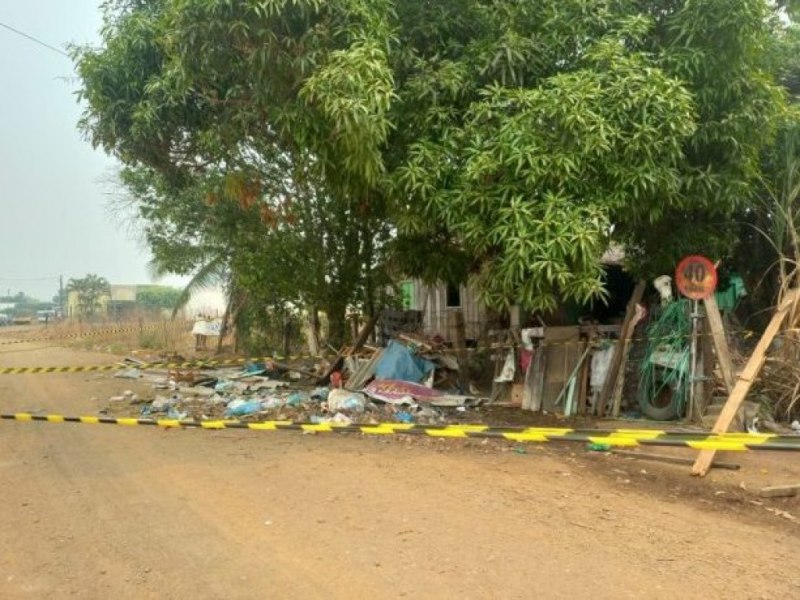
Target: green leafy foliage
90 290
510 141
157 297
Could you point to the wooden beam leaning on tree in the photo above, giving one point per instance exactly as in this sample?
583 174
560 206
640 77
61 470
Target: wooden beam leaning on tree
360 341
620 350
745 380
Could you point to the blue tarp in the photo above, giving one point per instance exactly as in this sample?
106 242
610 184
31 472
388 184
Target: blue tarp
398 362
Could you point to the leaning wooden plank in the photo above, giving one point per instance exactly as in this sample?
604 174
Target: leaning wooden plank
780 491
720 341
620 349
584 381
745 381
360 341
536 382
459 327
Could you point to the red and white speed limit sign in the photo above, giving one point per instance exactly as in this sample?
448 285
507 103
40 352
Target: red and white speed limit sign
696 277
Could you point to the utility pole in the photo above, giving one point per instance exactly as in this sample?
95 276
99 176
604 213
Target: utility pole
61 294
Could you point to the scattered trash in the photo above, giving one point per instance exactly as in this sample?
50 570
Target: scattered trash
594 447
161 403
341 419
178 415
399 392
336 379
404 417
508 370
345 400
255 367
240 408
399 363
224 385
273 402
296 399
128 374
321 393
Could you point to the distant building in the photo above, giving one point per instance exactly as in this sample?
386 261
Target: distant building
122 303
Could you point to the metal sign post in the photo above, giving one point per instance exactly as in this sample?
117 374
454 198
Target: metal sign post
693 367
696 278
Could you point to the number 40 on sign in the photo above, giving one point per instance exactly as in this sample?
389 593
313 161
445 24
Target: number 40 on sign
696 277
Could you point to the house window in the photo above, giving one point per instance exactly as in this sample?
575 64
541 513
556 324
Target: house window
407 294
453 296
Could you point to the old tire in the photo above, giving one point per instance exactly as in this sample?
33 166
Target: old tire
659 401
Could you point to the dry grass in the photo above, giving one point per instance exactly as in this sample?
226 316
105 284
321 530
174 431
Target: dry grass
163 337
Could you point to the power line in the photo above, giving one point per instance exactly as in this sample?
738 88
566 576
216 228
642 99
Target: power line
33 39
28 278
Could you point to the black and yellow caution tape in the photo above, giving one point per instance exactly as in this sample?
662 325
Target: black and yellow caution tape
601 437
94 333
191 364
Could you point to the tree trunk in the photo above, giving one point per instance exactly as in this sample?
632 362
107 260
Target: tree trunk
287 334
337 323
223 330
313 337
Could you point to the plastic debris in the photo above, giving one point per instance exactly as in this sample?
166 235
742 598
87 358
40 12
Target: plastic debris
343 400
296 399
128 374
508 370
341 419
594 447
174 414
404 417
161 403
224 385
240 408
321 393
273 402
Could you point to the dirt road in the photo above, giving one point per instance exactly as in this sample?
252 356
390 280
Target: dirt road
102 511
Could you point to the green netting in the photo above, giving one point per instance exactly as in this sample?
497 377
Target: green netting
667 357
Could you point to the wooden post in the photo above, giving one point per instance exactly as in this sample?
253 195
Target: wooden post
313 337
745 381
707 353
720 341
460 329
699 384
584 378
620 349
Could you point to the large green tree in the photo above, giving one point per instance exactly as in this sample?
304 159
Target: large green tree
511 140
536 133
230 163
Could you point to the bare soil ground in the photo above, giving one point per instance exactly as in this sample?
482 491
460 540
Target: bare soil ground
109 511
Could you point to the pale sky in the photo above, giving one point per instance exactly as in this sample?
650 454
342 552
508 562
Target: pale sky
54 216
